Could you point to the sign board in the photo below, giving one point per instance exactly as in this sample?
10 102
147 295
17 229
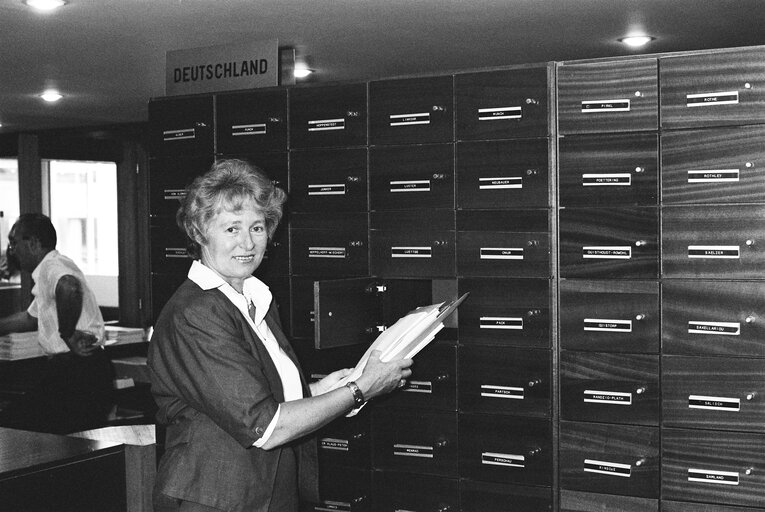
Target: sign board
222 68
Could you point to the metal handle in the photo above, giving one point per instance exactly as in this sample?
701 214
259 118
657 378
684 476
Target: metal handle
534 452
640 243
640 316
639 169
274 119
438 108
441 378
532 101
751 396
749 242
352 179
200 124
640 462
532 243
441 443
750 319
534 382
640 390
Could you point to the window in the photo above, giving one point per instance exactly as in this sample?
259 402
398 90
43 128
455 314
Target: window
9 198
83 209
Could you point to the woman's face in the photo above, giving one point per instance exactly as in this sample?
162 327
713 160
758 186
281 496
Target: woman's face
236 243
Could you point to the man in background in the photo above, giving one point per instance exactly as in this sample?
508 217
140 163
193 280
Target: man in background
75 386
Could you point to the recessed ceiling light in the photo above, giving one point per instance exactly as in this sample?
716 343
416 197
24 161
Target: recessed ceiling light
51 96
636 41
301 70
45 5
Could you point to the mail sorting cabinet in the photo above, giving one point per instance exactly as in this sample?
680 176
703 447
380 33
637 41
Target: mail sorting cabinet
611 96
411 110
181 126
713 88
330 244
169 178
579 501
328 180
478 496
610 459
706 467
251 122
393 491
609 315
505 243
503 174
502 104
328 116
609 170
411 177
713 165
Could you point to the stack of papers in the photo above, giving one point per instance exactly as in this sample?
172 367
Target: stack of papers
405 338
116 335
20 345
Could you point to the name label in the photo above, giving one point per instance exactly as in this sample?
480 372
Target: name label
330 443
607 252
619 179
510 460
501 322
327 252
501 253
500 182
175 193
605 106
494 391
711 98
323 125
409 119
607 397
413 450
607 468
714 403
239 130
410 186
333 506
497 113
709 176
185 134
419 386
607 325
714 251
329 189
411 252
709 476
176 252
725 328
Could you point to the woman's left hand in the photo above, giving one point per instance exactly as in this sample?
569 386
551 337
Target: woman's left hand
325 384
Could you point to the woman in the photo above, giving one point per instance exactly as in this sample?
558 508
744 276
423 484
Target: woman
238 411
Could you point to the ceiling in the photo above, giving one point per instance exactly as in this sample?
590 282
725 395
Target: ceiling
108 56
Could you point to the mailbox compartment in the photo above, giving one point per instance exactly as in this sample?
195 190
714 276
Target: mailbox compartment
609 315
302 314
612 459
608 96
328 180
169 253
703 317
506 449
492 497
503 243
341 488
577 501
411 110
329 245
719 165
502 104
433 384
609 242
726 241
411 177
611 388
503 174
416 441
714 393
505 312
713 89
405 491
346 442
609 170
713 467
181 126
251 122
274 164
413 243
276 260
327 116
683 506
505 380
169 179
163 287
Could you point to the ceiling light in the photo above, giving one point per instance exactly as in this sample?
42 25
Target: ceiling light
636 41
51 96
45 5
301 70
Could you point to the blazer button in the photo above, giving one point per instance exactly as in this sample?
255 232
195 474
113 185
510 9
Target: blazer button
259 431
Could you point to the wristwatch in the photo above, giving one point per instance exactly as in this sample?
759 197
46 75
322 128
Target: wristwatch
358 396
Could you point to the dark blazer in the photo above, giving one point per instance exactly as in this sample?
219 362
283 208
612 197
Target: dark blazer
217 390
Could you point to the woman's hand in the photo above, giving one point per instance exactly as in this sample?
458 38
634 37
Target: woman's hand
379 378
325 384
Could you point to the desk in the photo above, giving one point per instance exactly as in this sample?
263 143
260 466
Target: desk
44 472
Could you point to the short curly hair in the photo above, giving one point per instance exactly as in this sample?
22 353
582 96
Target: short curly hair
227 186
